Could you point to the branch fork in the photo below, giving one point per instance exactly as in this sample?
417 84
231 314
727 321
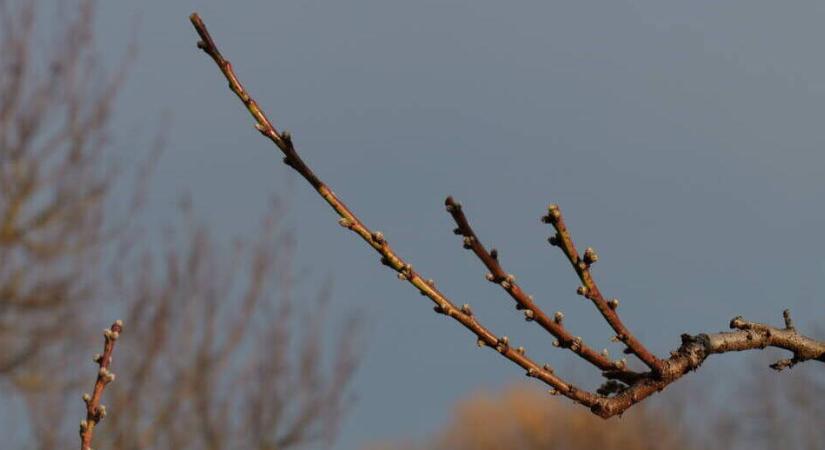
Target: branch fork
623 387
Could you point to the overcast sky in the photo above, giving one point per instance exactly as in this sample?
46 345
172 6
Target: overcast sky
683 140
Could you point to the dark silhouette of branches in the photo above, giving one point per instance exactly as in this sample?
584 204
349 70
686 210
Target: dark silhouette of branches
623 388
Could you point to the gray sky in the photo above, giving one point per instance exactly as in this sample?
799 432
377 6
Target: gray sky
683 140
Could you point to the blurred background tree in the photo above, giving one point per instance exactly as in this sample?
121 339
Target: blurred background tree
219 351
520 418
769 411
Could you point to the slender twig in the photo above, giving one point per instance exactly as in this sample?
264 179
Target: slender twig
555 326
376 239
95 412
589 289
611 399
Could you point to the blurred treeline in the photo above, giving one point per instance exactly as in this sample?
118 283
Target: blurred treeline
764 411
218 350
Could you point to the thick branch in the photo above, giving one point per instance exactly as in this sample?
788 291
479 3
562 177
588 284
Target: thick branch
695 349
95 412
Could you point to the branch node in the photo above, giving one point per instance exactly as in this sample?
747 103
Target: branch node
590 256
786 314
468 242
503 344
465 308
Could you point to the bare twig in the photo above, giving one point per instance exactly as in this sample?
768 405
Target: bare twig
376 239
95 412
555 326
589 289
624 388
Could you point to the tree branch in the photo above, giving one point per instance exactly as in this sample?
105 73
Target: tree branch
376 239
497 274
589 289
623 388
95 412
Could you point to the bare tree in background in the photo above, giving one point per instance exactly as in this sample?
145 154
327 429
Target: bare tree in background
54 112
516 419
623 387
219 350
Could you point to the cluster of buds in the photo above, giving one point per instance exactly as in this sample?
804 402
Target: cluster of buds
503 344
576 344
508 281
558 317
468 242
106 375
111 334
553 214
465 308
590 256
406 272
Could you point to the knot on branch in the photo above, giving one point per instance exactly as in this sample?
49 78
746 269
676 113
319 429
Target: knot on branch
611 387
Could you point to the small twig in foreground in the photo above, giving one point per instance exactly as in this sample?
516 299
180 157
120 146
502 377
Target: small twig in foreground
94 410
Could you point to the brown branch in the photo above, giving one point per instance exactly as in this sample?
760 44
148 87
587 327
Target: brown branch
95 412
555 326
695 349
589 289
376 239
614 397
